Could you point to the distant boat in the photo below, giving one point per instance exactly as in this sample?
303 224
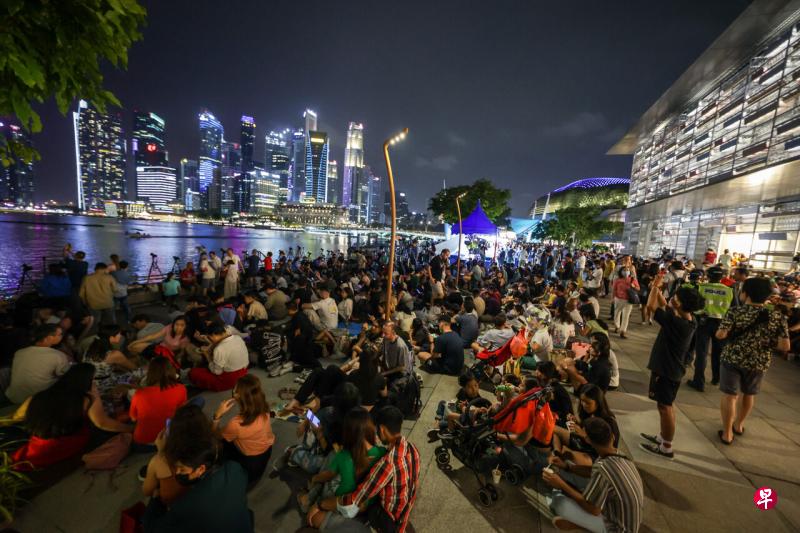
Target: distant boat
139 235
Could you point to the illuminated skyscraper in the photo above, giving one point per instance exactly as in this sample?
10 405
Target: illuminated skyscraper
210 159
230 171
188 180
311 120
317 166
375 209
242 191
266 191
297 171
99 157
276 160
156 186
353 160
334 185
16 180
148 144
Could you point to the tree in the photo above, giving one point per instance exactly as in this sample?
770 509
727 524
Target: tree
577 225
493 200
54 48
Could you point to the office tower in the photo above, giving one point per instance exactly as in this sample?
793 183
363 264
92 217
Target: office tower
210 159
266 191
297 172
231 172
334 185
188 180
353 160
403 212
99 156
317 166
16 180
311 121
375 210
247 143
276 160
148 144
157 186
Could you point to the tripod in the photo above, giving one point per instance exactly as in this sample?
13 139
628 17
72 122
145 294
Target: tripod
25 269
154 269
176 265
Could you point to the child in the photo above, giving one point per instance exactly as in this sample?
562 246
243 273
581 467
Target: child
447 412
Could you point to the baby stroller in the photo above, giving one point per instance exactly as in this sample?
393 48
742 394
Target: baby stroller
478 448
489 361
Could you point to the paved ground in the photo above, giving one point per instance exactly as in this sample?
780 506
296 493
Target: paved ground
707 487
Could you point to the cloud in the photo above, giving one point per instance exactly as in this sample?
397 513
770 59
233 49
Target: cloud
581 125
443 162
455 139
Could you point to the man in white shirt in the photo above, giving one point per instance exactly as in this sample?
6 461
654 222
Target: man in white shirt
580 264
324 312
595 277
207 273
237 261
227 361
216 263
37 367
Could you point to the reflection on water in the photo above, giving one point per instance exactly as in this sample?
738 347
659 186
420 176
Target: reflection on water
28 238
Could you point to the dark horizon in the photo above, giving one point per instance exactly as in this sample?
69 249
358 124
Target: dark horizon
529 96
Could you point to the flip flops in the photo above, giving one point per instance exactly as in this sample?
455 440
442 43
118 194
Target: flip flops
723 441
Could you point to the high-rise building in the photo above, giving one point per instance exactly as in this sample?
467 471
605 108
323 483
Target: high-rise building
188 180
157 186
403 212
247 143
716 159
375 210
16 180
317 166
211 133
266 191
297 171
310 118
353 159
276 160
231 172
334 185
99 157
148 144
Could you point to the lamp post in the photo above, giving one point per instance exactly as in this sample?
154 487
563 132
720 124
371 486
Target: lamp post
460 237
391 141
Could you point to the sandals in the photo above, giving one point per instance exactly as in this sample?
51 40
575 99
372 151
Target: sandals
723 441
740 433
287 393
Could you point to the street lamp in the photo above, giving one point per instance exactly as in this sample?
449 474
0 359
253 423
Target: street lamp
391 141
460 237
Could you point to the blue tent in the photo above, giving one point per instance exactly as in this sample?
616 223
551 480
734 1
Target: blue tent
477 223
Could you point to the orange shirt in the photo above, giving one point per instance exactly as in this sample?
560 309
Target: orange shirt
253 439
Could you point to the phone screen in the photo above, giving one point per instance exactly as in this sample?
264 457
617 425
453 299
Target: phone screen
312 418
169 420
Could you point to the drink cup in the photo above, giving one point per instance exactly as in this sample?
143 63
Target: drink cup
496 476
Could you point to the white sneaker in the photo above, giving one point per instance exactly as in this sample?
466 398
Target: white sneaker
285 368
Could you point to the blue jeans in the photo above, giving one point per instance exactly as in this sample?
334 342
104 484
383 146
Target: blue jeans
124 306
706 330
568 509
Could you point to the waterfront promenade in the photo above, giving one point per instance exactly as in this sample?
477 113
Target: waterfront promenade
707 487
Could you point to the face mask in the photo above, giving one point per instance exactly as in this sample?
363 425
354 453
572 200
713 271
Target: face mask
186 481
625 273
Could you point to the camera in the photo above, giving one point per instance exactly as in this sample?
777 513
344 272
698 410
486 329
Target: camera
153 255
26 267
176 258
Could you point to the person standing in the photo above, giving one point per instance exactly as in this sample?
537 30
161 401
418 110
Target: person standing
251 273
207 272
753 331
669 358
718 300
97 292
231 276
122 278
623 285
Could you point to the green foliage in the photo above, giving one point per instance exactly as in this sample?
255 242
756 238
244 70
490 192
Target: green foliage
55 48
493 200
12 483
578 225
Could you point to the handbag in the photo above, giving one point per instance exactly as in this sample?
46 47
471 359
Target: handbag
519 344
633 296
110 454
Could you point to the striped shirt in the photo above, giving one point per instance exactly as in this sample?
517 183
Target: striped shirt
615 487
394 477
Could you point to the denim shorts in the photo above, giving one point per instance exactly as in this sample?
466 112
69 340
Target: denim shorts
732 379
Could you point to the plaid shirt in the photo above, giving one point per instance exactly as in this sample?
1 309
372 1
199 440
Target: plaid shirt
394 477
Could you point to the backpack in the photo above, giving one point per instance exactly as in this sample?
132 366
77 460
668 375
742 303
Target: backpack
407 395
268 346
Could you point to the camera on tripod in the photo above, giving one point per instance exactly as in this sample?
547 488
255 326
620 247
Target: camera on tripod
153 255
176 258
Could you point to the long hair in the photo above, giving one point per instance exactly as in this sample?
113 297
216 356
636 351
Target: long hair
595 393
61 409
185 324
160 372
603 345
251 399
357 431
102 344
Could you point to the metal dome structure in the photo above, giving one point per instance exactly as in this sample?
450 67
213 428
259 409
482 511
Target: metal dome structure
593 183
586 191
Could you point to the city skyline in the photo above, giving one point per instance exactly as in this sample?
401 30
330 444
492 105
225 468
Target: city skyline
475 111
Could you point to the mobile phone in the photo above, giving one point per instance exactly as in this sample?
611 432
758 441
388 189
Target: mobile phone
311 417
169 421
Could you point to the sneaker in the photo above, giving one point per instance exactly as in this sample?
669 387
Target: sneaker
644 322
142 473
651 438
655 449
274 370
285 368
433 435
696 386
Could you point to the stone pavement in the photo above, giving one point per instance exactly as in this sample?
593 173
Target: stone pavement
707 487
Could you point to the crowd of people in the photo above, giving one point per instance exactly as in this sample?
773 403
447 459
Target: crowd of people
77 361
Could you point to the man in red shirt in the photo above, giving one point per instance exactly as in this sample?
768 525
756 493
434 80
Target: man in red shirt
393 478
268 262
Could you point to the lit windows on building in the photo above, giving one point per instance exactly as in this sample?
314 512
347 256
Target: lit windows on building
16 179
317 166
157 186
211 133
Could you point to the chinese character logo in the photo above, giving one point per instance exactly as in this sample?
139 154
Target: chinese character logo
765 498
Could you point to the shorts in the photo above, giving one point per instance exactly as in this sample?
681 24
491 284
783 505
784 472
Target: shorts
207 283
733 378
663 390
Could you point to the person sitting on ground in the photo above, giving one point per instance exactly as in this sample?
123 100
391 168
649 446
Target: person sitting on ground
561 404
447 356
156 402
251 310
541 343
420 336
494 338
448 412
397 360
143 326
393 479
404 317
215 499
173 336
37 367
591 324
367 377
597 370
613 499
227 359
562 327
345 304
467 322
276 301
112 366
248 436
58 419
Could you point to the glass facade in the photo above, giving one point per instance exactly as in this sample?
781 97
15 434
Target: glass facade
317 166
210 159
276 160
157 186
334 186
243 199
16 180
353 160
721 172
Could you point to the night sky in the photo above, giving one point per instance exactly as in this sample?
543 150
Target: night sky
530 94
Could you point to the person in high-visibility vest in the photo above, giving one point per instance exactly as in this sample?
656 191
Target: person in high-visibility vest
718 300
